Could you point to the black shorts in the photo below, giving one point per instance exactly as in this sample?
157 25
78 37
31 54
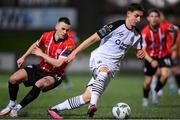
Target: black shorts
35 73
163 62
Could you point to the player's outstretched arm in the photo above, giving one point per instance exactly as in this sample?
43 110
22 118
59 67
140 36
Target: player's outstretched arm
93 38
21 60
55 62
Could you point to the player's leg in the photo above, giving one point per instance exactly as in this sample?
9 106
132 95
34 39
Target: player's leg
171 83
44 84
149 71
165 72
176 72
74 102
13 86
70 103
100 83
155 79
160 93
146 90
165 65
176 69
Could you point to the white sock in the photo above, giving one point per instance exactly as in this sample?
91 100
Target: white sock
12 103
62 106
94 99
18 106
70 103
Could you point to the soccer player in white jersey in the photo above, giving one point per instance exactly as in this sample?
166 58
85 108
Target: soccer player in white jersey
116 38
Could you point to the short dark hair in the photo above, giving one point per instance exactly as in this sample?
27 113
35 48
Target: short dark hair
135 6
153 10
65 20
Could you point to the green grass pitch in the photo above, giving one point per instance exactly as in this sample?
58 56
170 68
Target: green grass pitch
124 88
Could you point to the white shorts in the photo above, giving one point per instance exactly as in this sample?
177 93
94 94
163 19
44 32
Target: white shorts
95 64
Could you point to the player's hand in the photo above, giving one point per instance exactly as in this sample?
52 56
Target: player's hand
70 57
20 61
37 51
140 54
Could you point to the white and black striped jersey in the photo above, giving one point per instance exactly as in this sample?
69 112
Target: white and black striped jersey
116 39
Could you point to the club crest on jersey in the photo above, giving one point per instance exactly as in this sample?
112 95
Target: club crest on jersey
120 34
58 51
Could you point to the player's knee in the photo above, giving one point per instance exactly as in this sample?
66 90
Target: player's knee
40 84
13 79
44 83
147 84
164 77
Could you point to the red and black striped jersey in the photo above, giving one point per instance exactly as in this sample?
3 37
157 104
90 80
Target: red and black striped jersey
54 50
155 42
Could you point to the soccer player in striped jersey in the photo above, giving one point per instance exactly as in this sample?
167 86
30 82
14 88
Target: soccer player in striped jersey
116 38
48 74
158 55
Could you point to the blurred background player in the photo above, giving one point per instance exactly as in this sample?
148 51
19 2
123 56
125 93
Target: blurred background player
158 55
174 78
116 38
48 74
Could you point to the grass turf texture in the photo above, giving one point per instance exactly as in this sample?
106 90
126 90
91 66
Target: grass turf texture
124 88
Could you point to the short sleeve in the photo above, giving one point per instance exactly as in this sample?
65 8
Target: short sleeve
109 28
138 44
40 42
104 31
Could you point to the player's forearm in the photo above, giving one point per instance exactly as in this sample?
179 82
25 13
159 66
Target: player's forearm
28 52
86 43
53 61
147 57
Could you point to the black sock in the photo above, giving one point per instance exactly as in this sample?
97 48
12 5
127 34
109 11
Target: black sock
13 90
158 78
178 80
159 86
32 95
146 92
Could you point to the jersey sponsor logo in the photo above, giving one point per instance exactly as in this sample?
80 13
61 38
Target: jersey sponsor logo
121 44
